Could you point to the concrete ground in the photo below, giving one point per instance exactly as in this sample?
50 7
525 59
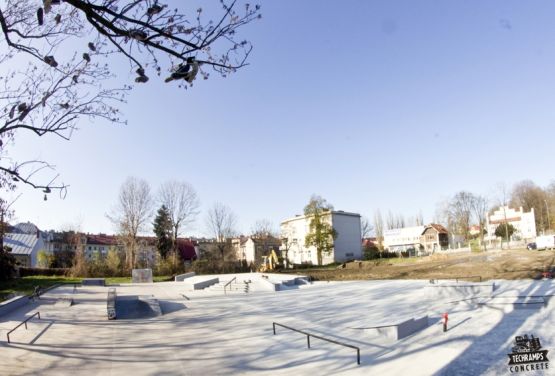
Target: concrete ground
209 333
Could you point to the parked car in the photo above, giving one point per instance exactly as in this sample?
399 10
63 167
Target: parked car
531 246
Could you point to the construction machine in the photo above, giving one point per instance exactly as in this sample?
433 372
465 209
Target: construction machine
269 263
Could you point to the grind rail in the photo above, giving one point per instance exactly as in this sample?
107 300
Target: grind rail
23 322
228 284
308 335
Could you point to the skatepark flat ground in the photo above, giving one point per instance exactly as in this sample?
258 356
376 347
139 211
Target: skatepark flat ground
203 333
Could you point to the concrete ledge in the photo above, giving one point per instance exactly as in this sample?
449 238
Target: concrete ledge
111 304
201 284
12 304
401 329
141 276
182 277
520 302
93 282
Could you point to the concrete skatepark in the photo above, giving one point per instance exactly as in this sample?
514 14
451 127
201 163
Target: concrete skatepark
211 332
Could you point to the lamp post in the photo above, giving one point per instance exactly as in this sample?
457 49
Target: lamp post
547 210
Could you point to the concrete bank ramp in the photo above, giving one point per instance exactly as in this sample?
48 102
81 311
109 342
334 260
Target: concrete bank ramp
134 307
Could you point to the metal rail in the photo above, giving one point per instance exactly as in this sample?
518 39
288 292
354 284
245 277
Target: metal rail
229 283
308 335
23 322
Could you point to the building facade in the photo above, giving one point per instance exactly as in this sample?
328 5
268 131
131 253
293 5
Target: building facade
523 222
347 246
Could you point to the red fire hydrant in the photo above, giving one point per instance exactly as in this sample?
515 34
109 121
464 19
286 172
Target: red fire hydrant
445 318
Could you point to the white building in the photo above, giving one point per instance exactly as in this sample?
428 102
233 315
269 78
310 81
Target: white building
524 223
347 246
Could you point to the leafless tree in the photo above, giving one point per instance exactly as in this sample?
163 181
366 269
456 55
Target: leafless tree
366 228
480 210
131 215
378 228
181 200
528 195
263 228
221 222
61 58
460 209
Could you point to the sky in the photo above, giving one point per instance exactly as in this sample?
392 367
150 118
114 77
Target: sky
389 105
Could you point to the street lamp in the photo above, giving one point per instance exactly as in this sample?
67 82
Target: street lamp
547 209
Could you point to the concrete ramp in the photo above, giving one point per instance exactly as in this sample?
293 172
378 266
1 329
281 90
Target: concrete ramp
137 307
459 290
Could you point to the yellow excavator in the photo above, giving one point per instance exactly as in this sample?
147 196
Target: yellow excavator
270 262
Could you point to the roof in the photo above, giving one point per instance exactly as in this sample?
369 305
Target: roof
186 249
333 212
102 239
21 244
439 228
25 228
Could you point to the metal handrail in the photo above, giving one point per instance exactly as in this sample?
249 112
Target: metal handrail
23 322
229 283
308 335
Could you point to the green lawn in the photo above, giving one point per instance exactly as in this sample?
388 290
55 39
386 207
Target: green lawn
26 285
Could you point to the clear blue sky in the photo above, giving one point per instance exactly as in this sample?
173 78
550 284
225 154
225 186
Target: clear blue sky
372 104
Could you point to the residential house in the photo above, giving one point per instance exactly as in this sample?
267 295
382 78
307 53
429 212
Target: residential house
25 241
523 222
347 246
251 249
417 239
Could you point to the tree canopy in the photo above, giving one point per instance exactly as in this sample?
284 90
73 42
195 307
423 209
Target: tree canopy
162 228
59 59
505 231
321 234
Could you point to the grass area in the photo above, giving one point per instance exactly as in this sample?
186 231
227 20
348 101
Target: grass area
26 285
156 278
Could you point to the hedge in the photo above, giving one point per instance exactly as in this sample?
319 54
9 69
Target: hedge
25 272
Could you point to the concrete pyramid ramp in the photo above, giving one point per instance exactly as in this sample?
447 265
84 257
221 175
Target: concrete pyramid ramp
135 307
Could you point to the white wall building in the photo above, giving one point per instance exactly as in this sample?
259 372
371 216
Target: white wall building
347 245
524 223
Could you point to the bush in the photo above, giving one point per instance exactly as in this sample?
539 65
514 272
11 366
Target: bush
219 267
7 265
25 272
